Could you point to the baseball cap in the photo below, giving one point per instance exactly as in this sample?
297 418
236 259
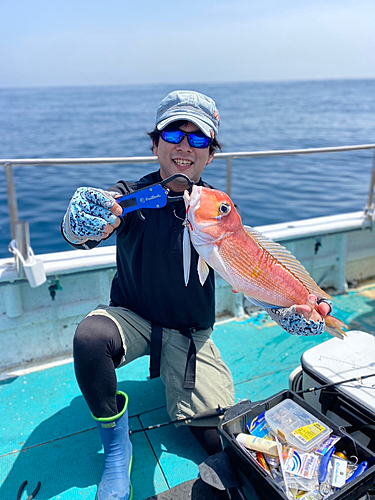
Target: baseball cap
192 106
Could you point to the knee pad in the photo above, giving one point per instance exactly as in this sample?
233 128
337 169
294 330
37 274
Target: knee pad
98 333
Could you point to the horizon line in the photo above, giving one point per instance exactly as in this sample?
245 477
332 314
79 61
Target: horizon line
223 82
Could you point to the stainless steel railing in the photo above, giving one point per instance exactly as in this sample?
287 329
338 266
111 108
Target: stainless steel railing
9 164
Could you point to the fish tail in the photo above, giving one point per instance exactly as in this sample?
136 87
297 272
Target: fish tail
334 326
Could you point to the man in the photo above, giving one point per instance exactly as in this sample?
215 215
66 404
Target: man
152 310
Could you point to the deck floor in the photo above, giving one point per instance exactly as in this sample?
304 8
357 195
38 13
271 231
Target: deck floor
48 435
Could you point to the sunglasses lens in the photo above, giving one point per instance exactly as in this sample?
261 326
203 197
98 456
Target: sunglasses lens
198 140
172 136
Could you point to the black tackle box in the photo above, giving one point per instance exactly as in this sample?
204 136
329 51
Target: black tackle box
252 475
349 404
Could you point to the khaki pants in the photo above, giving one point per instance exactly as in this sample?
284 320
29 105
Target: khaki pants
213 385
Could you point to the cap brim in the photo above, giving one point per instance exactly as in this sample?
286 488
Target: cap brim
204 127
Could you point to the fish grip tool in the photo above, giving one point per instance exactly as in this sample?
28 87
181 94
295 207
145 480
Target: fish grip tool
153 196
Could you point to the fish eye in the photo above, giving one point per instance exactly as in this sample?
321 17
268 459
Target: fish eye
225 208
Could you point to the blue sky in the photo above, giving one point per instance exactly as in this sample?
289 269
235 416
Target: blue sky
81 42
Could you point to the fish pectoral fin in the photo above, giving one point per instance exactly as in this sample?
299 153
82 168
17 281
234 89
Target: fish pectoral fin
260 303
203 270
212 255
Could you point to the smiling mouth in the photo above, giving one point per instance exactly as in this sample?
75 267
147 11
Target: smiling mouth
182 163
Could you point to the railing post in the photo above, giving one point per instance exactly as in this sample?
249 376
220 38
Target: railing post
369 210
12 199
23 244
229 176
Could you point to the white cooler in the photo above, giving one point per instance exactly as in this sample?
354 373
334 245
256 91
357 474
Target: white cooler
351 405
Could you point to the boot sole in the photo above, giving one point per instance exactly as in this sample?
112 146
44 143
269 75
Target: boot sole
131 493
131 486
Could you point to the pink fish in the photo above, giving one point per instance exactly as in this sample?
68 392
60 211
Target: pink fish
266 272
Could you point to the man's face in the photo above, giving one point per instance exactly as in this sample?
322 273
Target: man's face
182 158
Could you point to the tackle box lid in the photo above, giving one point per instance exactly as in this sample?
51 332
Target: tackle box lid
301 429
337 360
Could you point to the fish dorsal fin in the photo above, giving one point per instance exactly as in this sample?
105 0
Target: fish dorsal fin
203 270
288 260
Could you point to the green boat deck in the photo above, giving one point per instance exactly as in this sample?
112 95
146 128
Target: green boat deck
48 435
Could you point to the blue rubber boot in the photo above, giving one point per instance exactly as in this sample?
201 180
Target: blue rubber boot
114 432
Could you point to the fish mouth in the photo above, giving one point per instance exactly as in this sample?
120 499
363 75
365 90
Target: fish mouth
192 201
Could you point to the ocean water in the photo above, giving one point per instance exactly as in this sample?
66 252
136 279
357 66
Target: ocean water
112 121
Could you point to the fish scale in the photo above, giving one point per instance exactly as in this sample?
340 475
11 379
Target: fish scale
262 275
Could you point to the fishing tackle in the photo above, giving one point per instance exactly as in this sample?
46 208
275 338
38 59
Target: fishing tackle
216 412
323 470
326 386
33 494
324 488
362 467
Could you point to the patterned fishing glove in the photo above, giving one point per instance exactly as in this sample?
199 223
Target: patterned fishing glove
88 215
295 323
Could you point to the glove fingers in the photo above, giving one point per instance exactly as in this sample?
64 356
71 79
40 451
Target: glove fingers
81 214
88 218
95 197
88 214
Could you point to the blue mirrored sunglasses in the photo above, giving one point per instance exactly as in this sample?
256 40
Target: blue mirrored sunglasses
195 139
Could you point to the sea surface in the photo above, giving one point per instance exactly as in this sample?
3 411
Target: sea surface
113 121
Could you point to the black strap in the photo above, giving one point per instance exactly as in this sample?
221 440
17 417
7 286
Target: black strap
155 350
191 361
155 354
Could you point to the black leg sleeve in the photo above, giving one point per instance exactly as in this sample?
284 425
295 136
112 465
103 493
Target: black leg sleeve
97 350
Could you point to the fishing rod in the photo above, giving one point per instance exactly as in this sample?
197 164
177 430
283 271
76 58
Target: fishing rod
326 386
198 416
220 411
